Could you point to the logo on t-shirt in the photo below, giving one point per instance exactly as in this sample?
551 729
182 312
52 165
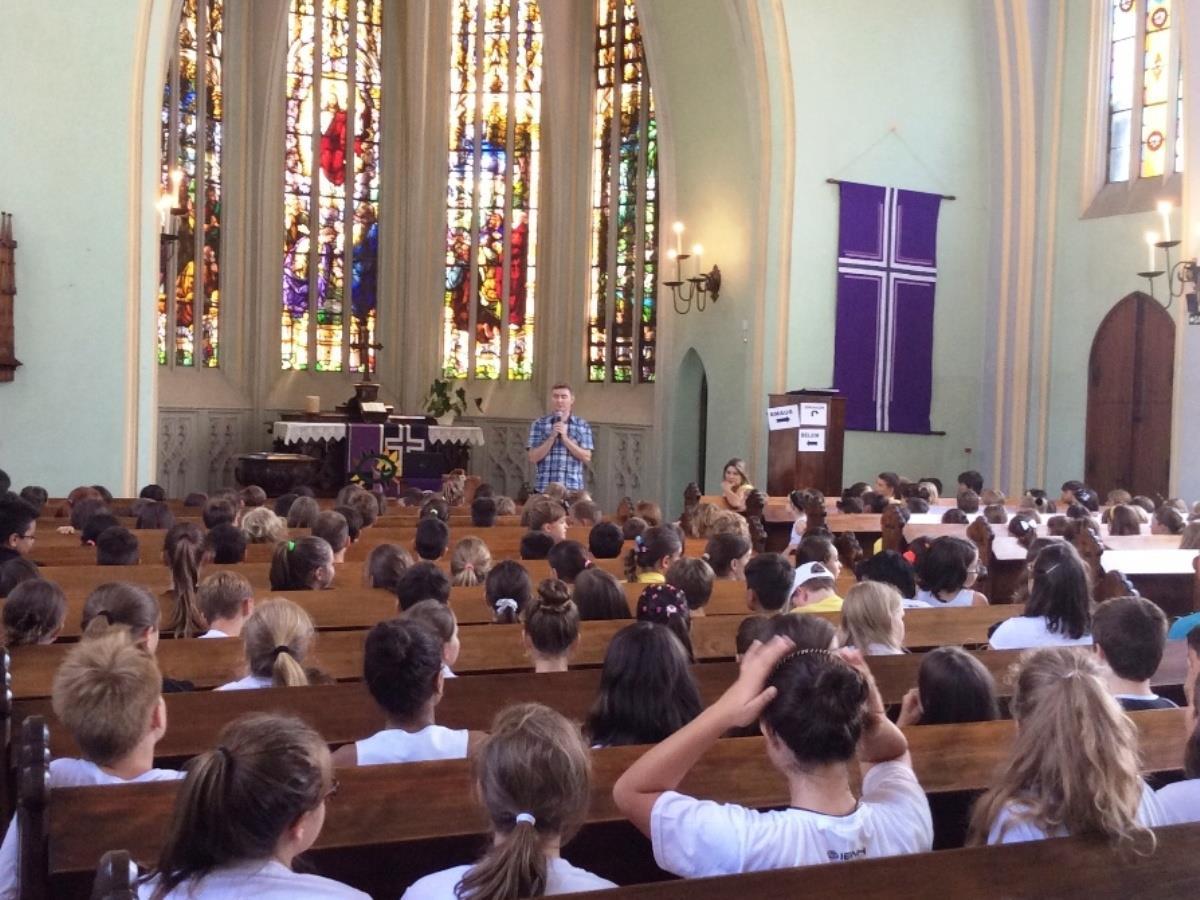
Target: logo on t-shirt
835 856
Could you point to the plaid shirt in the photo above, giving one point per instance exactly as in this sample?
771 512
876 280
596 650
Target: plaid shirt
559 465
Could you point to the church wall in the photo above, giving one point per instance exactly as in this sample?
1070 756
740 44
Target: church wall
894 94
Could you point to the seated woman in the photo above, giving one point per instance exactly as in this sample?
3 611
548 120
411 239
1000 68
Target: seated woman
1059 609
735 484
817 710
947 573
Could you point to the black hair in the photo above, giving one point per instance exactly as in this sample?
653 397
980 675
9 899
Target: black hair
820 708
155 515
401 662
917 505
16 570
507 580
536 545
568 559
970 479
807 632
771 578
944 567
283 504
605 540
891 568
99 522
814 548
650 548
647 691
1088 499
598 595
433 536
5 481
1169 518
955 687
36 496
422 581
483 511
722 549
116 546
954 517
354 521
227 544
218 511
1061 591
294 563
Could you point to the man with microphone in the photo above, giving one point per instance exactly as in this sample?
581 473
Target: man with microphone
560 444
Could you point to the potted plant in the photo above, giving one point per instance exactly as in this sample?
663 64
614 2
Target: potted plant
446 403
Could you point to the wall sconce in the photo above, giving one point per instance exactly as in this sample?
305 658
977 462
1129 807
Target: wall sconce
169 212
700 284
1182 277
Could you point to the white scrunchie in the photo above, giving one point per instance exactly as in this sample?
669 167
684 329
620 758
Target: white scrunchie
525 817
507 603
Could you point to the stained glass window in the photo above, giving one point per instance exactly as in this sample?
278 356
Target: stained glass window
623 305
1145 91
189 288
492 190
331 184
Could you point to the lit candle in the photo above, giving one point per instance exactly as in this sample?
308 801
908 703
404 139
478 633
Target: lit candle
1164 210
678 229
176 181
164 209
1151 240
672 255
697 251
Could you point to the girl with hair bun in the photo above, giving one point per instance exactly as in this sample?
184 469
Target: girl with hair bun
818 710
1074 764
551 627
278 637
533 773
652 553
245 811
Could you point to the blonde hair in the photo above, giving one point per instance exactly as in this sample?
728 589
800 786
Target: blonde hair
262 526
1074 764
533 764
868 612
470 562
278 636
727 522
104 693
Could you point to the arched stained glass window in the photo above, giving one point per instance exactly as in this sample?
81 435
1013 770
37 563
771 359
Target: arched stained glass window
492 193
1145 91
331 184
190 155
623 308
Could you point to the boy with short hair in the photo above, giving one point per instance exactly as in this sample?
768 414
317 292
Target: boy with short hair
605 540
422 581
226 600
1129 634
332 526
483 512
226 543
549 517
117 546
769 583
695 578
535 545
432 538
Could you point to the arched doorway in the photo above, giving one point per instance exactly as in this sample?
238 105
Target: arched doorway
1130 383
689 429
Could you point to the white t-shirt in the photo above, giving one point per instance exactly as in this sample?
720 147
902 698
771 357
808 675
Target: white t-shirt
1009 829
446 673
249 683
1180 802
694 838
261 879
1020 632
561 878
882 650
798 531
213 633
394 745
64 773
965 597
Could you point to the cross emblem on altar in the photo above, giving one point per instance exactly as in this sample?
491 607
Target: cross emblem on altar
403 442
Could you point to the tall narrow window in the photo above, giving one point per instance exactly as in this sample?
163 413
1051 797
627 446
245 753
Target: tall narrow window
1145 91
190 156
492 195
331 184
623 309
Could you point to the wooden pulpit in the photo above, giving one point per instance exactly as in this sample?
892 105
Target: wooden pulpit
805 440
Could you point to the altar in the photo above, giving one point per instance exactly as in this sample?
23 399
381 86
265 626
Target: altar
404 451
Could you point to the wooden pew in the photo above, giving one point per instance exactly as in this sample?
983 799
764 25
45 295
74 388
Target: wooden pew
386 838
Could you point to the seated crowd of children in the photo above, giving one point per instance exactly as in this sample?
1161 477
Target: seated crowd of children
256 800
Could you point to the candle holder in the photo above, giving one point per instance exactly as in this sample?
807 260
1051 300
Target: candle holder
1182 276
699 287
1150 276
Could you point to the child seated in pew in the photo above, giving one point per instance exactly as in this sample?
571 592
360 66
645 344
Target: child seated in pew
819 548
770 583
551 631
303 513
1074 764
422 581
483 512
665 604
598 596
1059 609
536 545
439 618
805 632
533 773
813 589
108 694
262 526
278 637
751 629
16 570
695 578
354 523
470 562
605 540
384 566
873 619
818 710
335 530
117 546
1180 801
432 538
728 553
1130 635
246 810
952 687
507 590
1122 521
183 553
647 691
34 613
567 559
303 564
584 513
947 574
1166 520
954 517
652 554
225 544
226 601
96 524
547 516
402 666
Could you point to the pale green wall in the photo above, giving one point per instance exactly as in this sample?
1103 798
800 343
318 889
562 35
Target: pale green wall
67 144
861 68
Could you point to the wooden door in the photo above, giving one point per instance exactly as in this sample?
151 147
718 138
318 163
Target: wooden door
1130 381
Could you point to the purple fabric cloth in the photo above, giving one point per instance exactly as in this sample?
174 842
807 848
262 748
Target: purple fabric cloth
887 275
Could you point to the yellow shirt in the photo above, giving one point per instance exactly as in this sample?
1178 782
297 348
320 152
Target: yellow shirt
832 603
654 578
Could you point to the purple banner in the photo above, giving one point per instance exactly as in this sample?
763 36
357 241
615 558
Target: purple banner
887 274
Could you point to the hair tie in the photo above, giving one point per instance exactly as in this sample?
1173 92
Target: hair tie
225 752
639 542
524 817
282 648
587 563
469 567
506 603
291 546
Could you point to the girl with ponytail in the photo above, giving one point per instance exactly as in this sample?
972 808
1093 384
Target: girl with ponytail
652 553
507 591
1074 764
303 564
245 811
818 710
278 637
551 627
183 552
470 562
532 774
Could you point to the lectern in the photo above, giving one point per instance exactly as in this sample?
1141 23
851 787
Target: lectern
804 447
